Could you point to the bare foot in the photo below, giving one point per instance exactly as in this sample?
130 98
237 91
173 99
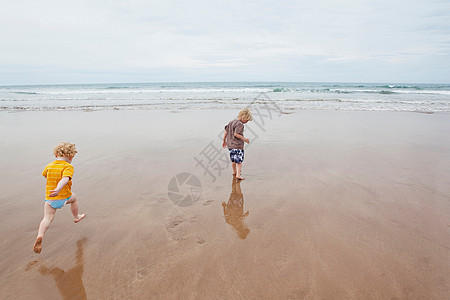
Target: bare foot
240 178
38 245
80 217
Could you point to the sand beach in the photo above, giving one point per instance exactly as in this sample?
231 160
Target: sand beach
335 205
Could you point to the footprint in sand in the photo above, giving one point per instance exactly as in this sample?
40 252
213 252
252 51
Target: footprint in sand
175 224
176 230
142 267
180 228
208 202
151 197
31 264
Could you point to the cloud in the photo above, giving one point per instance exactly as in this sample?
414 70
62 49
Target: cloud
218 39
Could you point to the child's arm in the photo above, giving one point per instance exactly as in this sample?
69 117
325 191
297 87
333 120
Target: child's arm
242 138
224 144
59 187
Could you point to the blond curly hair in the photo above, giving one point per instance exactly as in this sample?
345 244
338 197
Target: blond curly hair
245 115
65 149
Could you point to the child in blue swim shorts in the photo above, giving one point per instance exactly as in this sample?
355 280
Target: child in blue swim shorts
234 139
59 189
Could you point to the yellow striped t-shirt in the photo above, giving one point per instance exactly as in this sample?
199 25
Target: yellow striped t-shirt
54 172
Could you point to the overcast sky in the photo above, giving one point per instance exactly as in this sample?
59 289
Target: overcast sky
97 41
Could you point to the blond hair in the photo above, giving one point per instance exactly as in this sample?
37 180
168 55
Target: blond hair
245 115
65 149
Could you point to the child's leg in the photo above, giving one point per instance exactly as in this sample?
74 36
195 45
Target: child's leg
49 215
233 164
238 173
74 208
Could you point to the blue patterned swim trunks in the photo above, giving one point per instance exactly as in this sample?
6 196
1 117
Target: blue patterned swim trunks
236 155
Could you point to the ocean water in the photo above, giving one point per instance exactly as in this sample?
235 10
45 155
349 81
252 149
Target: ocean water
289 96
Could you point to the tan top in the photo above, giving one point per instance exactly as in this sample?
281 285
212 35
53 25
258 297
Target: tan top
233 127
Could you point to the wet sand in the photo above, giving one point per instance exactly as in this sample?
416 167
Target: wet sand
335 205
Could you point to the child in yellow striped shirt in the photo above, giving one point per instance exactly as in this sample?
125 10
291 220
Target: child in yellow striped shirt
58 190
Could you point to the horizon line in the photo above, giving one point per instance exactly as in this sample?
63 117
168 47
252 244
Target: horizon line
245 81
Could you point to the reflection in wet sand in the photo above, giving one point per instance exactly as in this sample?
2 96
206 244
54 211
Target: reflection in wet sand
70 283
233 211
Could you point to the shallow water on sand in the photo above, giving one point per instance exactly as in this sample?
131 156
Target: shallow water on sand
343 205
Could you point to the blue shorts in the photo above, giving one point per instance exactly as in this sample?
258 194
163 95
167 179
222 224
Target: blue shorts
57 204
237 155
